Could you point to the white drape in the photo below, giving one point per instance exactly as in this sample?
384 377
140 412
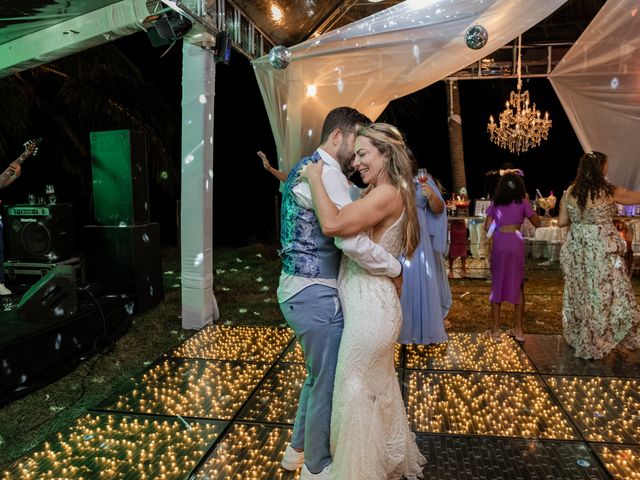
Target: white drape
598 83
370 62
56 32
199 305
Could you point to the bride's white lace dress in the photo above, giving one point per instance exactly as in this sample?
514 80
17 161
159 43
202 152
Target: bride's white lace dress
370 434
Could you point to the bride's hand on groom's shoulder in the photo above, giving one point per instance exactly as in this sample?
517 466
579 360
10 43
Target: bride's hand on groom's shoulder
310 170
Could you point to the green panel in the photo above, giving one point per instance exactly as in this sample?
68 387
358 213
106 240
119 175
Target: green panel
113 198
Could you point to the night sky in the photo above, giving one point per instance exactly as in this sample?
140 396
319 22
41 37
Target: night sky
245 195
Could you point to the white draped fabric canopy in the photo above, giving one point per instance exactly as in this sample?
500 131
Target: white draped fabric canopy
598 83
370 62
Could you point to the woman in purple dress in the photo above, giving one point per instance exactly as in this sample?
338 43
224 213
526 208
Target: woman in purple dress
508 210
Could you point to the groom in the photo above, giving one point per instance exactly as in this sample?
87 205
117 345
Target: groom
307 292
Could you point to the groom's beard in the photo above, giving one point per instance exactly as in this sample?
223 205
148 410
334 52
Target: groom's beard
345 156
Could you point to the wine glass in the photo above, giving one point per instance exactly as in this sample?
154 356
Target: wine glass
422 175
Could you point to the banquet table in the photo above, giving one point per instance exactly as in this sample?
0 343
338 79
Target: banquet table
546 242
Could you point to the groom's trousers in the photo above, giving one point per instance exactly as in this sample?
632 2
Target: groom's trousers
315 316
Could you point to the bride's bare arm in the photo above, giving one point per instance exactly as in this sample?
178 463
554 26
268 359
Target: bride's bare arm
353 218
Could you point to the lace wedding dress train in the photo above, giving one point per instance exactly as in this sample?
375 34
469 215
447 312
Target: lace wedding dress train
370 434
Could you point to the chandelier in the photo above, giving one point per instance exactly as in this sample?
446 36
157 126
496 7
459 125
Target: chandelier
520 126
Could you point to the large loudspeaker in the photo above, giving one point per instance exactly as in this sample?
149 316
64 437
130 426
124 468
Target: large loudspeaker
168 28
53 296
126 260
41 233
222 52
120 188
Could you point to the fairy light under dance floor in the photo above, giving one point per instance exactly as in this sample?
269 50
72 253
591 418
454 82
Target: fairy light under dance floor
469 351
222 405
105 446
604 409
257 344
190 388
621 461
484 404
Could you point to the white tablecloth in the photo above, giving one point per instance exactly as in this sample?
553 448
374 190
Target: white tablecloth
550 234
546 242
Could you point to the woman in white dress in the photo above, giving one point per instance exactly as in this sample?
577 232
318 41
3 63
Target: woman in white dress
370 434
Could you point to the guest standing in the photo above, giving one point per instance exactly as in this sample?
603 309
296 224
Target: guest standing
599 310
426 297
508 210
458 245
279 174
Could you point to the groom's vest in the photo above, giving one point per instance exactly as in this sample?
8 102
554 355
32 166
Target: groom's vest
306 252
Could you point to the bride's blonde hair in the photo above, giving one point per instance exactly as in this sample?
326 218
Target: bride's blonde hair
388 140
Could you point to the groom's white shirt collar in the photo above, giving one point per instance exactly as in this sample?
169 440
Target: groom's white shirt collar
328 159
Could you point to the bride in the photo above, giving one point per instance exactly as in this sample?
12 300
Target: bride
370 434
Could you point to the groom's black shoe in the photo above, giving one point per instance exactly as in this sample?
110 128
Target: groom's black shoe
292 459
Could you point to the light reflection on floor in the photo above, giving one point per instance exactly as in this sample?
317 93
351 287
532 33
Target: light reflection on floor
224 401
190 388
100 445
469 352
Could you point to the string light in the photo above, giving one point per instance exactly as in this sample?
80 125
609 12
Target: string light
466 351
605 409
104 446
622 462
191 388
249 344
277 399
248 451
484 404
99 446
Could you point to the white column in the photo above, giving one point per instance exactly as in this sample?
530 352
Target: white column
199 305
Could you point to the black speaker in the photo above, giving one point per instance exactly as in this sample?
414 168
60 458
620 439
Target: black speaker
168 28
222 52
40 233
53 296
119 168
126 260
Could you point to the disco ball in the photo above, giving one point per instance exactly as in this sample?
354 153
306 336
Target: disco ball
476 37
279 57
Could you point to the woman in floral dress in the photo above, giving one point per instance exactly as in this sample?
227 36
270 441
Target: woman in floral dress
599 311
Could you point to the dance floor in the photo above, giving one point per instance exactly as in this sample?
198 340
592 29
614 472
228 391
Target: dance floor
221 406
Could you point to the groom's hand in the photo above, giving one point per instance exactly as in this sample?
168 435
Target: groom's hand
397 282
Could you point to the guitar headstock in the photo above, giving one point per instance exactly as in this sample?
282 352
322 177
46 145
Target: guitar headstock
31 146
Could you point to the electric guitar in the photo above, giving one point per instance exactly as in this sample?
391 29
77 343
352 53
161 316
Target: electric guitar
30 148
